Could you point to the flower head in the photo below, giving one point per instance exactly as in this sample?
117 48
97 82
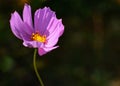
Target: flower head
42 34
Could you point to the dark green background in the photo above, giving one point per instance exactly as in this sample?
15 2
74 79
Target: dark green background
89 52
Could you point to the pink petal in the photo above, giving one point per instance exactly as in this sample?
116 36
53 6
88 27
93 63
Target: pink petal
27 18
55 31
32 44
26 32
19 28
42 18
42 51
16 23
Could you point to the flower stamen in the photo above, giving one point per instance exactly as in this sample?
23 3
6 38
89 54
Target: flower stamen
39 38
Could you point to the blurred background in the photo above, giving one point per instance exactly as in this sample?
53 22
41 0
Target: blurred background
89 52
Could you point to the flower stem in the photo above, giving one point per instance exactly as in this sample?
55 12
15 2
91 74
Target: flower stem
35 68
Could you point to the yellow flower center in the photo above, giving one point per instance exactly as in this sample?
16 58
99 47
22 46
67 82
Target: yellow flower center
39 38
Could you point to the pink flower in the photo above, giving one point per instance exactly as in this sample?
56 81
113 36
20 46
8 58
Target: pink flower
43 34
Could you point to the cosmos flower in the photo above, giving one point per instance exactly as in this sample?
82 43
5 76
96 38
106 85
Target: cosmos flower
42 34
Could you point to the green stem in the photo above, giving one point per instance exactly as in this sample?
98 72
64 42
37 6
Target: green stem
35 68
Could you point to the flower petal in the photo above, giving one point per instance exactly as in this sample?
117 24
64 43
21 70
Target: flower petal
32 44
19 28
42 18
26 32
16 24
55 31
27 18
45 50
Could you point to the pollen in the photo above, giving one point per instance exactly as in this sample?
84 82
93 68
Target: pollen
38 37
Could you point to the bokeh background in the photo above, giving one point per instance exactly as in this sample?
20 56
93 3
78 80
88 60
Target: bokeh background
89 52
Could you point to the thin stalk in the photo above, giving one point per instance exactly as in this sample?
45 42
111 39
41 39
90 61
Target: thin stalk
35 68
